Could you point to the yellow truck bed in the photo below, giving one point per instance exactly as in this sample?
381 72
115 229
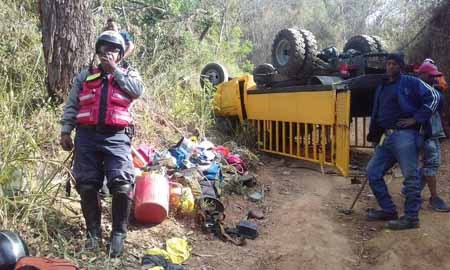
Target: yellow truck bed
305 122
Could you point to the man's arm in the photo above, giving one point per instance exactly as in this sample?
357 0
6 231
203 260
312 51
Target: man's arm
375 131
129 50
444 114
442 83
129 44
72 104
129 81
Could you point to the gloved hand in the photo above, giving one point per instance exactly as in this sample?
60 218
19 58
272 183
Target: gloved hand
66 142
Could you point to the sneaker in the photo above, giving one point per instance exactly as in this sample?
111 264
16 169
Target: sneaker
374 214
437 204
403 223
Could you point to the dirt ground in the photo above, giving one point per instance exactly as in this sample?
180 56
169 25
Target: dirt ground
303 228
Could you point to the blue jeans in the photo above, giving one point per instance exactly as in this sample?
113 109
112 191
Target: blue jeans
401 146
431 157
102 155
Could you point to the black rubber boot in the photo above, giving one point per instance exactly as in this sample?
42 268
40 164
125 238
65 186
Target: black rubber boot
121 207
90 205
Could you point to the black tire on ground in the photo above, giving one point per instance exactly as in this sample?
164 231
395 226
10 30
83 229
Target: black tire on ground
288 52
214 73
262 74
310 52
362 44
381 45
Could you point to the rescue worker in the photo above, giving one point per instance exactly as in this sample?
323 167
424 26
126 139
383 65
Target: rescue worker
98 108
401 105
112 25
432 150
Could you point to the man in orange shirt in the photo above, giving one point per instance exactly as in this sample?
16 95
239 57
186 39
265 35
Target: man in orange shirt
441 82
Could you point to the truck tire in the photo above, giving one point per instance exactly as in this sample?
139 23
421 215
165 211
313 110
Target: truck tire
214 73
310 52
262 74
381 45
288 52
226 125
362 44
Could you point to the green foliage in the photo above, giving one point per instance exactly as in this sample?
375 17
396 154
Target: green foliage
174 39
30 174
171 51
169 55
21 57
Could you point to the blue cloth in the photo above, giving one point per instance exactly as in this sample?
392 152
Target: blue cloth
401 146
415 99
214 172
99 155
431 157
180 155
126 37
389 113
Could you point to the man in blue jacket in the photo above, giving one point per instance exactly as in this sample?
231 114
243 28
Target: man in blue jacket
402 105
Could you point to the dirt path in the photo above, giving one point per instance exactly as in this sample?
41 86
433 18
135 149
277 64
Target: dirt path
303 229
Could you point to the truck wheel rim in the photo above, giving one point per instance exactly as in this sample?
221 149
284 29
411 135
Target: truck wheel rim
282 52
213 76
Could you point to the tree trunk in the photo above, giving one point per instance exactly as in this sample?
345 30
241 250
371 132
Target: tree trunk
68 41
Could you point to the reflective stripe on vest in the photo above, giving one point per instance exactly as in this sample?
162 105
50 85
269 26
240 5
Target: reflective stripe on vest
83 98
85 114
93 76
118 95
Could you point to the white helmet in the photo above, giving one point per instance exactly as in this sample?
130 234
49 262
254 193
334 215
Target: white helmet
113 38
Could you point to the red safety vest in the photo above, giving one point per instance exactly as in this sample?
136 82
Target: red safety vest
117 102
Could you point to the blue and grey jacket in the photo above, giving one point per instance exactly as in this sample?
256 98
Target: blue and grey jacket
415 98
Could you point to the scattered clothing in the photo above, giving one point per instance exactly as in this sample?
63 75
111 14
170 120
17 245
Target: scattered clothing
156 262
177 251
237 162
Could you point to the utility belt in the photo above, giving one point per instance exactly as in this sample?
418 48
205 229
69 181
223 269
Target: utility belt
108 130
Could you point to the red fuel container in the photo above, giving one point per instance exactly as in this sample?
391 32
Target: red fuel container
151 198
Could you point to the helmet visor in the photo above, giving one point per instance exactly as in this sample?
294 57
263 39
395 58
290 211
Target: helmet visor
107 49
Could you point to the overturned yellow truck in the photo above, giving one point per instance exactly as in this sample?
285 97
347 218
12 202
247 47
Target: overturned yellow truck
304 108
